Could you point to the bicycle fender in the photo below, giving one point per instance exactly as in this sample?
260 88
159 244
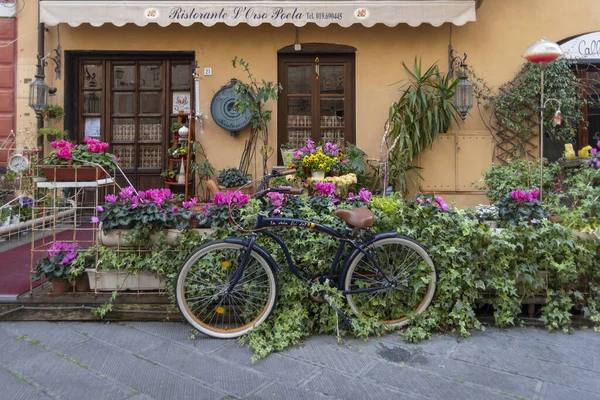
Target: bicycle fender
257 248
365 243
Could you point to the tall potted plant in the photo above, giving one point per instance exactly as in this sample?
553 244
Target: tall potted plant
423 111
55 265
253 96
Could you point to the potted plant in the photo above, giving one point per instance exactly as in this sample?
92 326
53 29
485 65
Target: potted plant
131 218
216 214
488 214
521 206
53 133
55 265
175 128
169 175
234 179
177 152
53 112
84 162
287 153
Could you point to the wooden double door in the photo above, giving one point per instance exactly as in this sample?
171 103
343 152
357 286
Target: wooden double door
318 98
128 102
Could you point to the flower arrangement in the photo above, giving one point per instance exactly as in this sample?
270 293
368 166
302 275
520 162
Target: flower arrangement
217 213
326 158
485 212
433 204
595 161
177 152
56 262
361 199
521 206
91 152
144 209
169 175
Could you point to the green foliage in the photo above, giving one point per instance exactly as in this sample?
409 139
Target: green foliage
423 111
55 132
169 173
517 106
176 127
53 112
518 174
232 177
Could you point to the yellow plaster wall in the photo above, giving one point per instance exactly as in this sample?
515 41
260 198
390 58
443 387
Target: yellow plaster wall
494 43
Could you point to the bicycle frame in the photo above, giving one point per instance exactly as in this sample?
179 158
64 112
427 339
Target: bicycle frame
264 223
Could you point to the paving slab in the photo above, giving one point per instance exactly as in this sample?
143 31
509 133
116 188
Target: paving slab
63 379
279 391
286 369
236 379
137 374
14 348
51 334
558 392
16 387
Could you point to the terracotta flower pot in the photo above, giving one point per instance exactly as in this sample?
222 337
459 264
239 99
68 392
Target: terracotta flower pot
72 174
82 284
60 285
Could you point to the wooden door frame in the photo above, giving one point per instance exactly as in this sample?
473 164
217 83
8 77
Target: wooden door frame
327 53
74 87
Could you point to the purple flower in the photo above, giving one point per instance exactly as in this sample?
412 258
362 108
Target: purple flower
428 200
189 204
111 198
117 159
594 152
99 208
419 200
174 209
297 154
95 220
325 189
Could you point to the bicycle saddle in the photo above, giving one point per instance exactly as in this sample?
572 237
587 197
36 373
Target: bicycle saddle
359 217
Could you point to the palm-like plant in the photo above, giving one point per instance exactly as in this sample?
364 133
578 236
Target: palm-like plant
423 111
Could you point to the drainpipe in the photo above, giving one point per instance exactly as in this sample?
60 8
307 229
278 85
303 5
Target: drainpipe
40 71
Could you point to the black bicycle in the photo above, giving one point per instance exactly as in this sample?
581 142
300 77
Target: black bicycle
227 287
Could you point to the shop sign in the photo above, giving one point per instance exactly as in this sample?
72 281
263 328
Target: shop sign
585 47
272 15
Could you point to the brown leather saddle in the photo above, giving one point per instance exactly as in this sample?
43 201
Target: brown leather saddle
359 217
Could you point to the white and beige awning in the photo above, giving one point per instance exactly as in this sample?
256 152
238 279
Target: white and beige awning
257 12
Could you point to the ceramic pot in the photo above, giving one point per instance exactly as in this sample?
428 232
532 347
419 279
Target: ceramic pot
318 174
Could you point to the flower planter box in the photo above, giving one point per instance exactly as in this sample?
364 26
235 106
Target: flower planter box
73 174
111 280
116 237
287 156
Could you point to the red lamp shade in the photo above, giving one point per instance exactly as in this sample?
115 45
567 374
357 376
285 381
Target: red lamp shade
542 52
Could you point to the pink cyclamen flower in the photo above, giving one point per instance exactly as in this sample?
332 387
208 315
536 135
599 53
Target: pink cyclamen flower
95 220
174 209
419 200
111 198
189 204
594 152
325 189
99 208
117 159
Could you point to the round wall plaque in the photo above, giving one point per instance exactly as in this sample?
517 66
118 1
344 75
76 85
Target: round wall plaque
225 114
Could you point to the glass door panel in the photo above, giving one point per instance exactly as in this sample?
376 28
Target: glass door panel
300 79
299 120
332 79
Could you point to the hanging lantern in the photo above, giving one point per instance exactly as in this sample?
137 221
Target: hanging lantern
38 94
463 96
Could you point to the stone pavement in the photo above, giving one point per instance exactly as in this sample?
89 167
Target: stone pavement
145 360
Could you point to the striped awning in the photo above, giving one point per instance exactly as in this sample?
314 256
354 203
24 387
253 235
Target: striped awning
257 12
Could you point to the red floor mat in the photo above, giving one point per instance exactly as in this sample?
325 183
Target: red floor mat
15 263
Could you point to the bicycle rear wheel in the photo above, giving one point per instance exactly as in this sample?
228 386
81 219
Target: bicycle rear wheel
400 260
201 290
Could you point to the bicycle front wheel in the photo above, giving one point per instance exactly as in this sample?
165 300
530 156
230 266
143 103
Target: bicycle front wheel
396 279
201 290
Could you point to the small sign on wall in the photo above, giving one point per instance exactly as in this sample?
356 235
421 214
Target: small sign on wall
181 102
92 127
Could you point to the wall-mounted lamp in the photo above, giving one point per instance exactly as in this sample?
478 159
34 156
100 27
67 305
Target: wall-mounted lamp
463 92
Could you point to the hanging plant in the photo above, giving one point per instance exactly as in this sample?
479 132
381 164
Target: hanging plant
53 112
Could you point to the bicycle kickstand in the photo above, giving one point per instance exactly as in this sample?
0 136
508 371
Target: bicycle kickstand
346 319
